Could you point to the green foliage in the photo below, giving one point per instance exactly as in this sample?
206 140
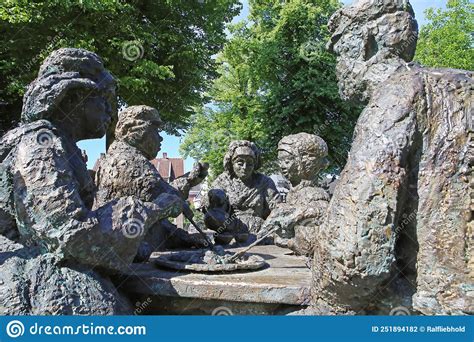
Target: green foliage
160 50
276 78
447 40
213 129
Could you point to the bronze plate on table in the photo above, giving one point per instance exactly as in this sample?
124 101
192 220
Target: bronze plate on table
193 260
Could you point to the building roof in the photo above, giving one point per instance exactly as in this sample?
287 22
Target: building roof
169 168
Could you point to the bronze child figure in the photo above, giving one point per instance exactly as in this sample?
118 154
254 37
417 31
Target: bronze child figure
301 157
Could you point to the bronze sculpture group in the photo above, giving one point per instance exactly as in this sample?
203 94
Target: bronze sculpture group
63 234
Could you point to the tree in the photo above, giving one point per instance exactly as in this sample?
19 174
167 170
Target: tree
160 50
276 78
447 40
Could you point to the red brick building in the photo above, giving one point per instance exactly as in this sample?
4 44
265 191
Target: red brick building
169 168
172 168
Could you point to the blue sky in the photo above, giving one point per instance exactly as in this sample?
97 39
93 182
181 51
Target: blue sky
171 144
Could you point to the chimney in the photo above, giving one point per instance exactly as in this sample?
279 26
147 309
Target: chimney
165 155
